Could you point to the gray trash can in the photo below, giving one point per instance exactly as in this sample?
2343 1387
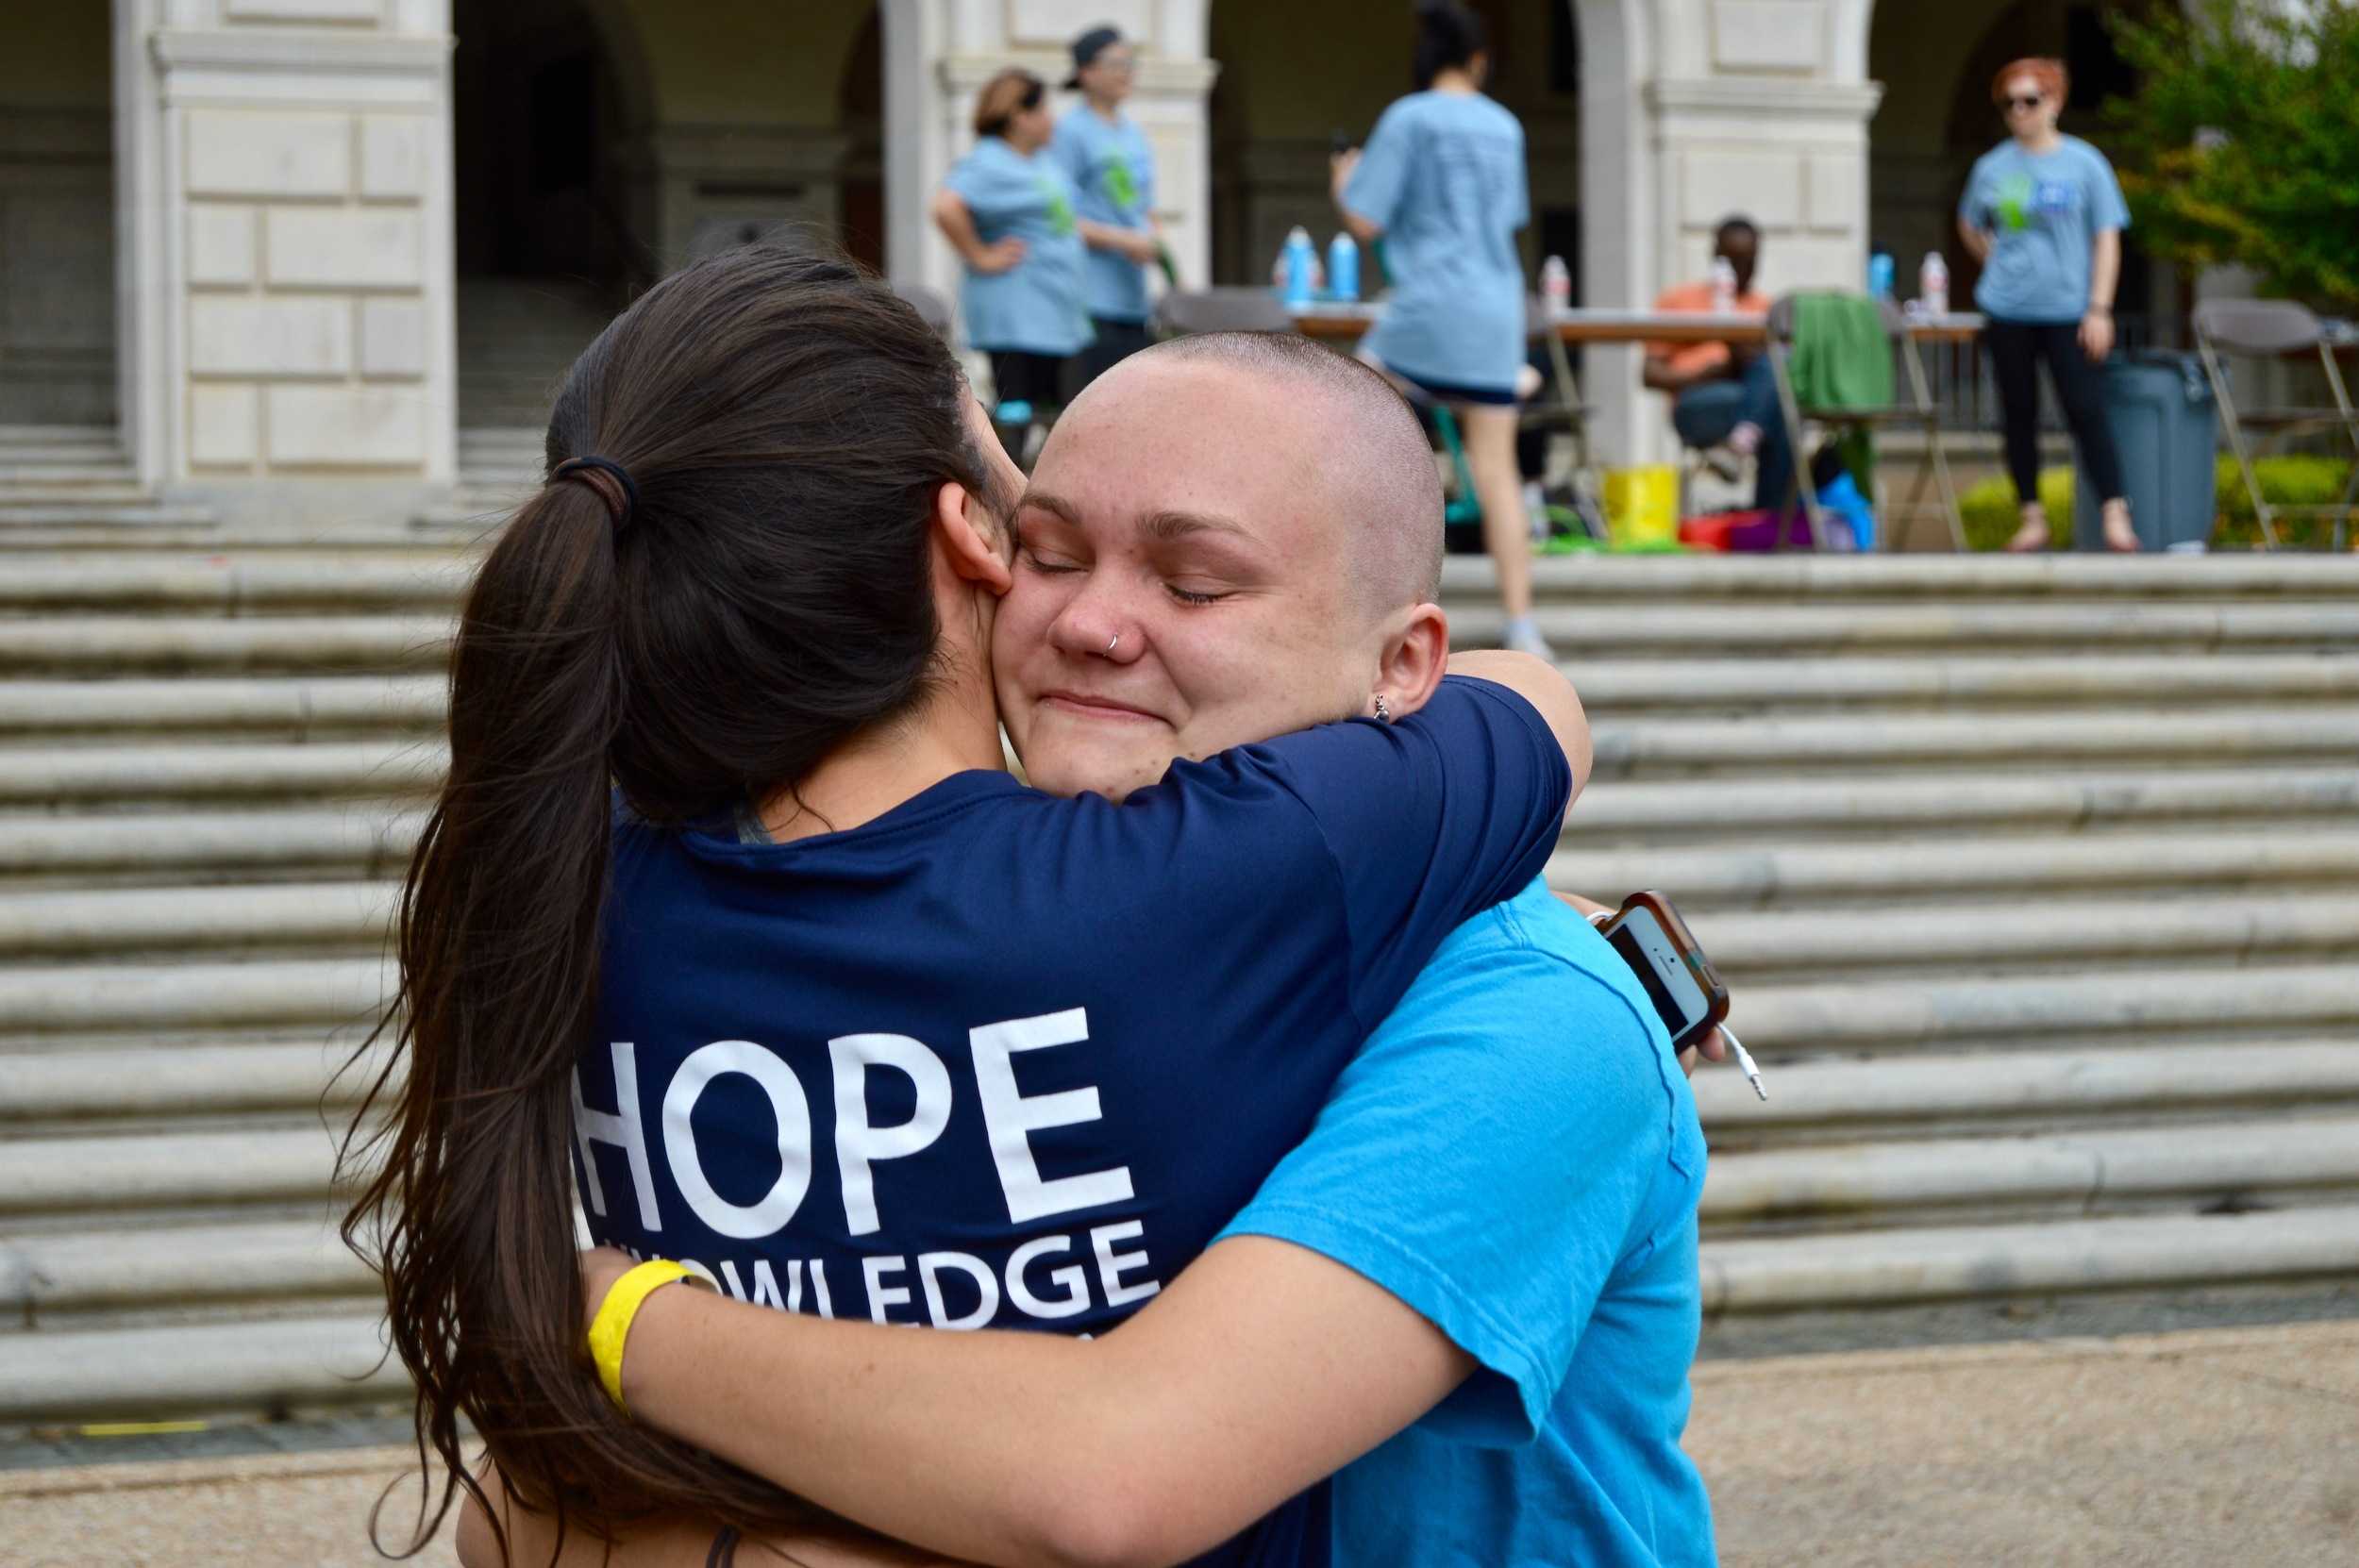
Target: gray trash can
2167 429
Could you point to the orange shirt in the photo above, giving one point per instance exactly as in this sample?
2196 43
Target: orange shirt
1687 358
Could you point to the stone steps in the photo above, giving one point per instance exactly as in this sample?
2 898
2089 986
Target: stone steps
2224 930
1904 684
1897 1015
291 708
113 998
1883 1015
1994 1262
1802 578
54 1275
1650 701
2196 858
175 1080
243 585
316 1352
1681 811
2037 884
292 644
2089 1172
2284 1159
209 1368
359 838
53 777
150 919
1640 749
1853 1098
1996 628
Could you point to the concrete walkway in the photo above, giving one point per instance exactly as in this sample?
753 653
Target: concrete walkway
2200 1448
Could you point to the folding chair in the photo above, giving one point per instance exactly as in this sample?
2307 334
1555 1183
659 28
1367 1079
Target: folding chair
1221 310
2267 329
932 307
1916 408
1559 409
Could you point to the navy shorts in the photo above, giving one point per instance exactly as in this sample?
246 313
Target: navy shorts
1444 392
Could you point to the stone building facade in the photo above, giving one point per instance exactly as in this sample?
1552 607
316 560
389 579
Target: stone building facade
291 249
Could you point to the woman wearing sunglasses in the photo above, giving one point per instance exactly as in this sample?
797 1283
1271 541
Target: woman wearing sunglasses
2044 215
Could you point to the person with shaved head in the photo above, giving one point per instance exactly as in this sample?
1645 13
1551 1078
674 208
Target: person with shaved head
1472 1288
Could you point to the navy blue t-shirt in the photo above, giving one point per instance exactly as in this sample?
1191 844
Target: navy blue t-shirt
1001 1060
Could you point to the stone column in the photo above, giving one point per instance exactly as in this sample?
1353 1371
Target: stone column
1757 106
288 337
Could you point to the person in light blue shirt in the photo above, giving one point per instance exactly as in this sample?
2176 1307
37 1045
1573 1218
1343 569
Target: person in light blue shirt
1442 182
1112 165
1524 1078
1008 208
2044 214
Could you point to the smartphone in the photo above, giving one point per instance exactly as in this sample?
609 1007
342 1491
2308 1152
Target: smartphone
1688 994
1342 141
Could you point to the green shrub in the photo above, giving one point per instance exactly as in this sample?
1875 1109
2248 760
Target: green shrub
1989 509
2288 481
1991 519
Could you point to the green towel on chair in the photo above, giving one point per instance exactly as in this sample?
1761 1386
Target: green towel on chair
1843 359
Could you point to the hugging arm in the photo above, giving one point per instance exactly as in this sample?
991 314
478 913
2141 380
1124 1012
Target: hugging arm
1262 1369
1543 686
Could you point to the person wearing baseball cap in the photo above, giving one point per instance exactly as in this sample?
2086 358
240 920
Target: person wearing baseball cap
1111 166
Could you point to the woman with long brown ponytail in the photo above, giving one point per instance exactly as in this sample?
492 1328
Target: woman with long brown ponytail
727 900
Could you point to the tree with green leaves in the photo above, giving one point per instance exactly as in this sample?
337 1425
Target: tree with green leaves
2241 145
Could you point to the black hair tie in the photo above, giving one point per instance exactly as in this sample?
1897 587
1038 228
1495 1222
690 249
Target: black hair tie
609 479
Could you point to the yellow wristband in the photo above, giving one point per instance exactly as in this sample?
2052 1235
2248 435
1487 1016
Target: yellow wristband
612 1327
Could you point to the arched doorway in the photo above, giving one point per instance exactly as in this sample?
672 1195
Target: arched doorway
550 237
57 222
603 143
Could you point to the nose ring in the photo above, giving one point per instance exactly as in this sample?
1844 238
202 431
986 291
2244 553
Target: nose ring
1110 645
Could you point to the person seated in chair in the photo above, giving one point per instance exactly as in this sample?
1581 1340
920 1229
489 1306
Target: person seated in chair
1724 399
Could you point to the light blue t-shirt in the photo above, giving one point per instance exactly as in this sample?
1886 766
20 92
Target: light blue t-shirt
1515 1153
1443 176
1112 170
1035 306
2044 213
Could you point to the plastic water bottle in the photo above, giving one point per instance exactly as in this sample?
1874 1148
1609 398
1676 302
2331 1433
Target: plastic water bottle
1723 285
1343 267
1301 260
1880 274
1556 283
1933 284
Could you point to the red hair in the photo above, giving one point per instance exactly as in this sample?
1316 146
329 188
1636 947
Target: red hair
2055 80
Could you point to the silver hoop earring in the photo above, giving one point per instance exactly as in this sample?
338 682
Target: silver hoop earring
1110 645
1383 710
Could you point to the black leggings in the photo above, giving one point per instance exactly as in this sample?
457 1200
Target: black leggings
2015 349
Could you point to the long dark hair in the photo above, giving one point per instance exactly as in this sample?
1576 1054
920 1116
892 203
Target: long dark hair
1447 35
788 423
